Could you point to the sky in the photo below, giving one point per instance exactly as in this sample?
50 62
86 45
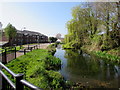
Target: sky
48 18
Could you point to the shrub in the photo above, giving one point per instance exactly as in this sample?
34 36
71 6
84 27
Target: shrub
39 68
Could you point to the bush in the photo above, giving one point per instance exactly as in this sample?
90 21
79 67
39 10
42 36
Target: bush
72 45
39 68
52 48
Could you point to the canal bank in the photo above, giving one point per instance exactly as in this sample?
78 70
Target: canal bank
87 69
112 55
39 68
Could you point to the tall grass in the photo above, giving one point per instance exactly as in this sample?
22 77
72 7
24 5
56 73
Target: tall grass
40 68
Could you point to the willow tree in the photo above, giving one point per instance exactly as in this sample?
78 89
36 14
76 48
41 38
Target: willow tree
10 32
88 21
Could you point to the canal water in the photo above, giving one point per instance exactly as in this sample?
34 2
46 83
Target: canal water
88 70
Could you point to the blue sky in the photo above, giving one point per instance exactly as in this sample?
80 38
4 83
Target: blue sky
48 18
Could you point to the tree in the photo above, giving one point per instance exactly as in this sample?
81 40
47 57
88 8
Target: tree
10 32
58 36
52 39
85 26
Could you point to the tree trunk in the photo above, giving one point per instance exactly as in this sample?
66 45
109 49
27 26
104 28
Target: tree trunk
118 6
10 41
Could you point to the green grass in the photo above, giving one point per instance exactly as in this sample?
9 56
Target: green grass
40 69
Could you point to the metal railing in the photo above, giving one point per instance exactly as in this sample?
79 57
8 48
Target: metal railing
11 52
19 84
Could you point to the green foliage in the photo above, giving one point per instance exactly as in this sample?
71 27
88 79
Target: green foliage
38 67
108 56
51 48
108 43
10 31
10 49
89 22
98 39
73 45
55 79
52 39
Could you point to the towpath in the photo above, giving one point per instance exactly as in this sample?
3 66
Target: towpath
40 46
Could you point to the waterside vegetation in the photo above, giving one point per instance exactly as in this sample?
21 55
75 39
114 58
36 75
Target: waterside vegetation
95 27
40 68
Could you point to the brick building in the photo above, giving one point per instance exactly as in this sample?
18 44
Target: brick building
25 37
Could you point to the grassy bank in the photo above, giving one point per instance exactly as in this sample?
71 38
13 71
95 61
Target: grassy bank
112 54
108 56
40 68
51 48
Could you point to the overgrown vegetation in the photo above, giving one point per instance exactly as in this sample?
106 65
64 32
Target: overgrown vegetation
52 39
108 56
39 68
10 32
95 26
51 48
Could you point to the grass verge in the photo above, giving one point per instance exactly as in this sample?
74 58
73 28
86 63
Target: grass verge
111 55
40 69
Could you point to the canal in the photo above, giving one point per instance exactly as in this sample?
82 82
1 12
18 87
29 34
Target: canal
87 69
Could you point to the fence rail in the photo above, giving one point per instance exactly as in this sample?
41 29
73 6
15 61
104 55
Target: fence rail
19 84
9 53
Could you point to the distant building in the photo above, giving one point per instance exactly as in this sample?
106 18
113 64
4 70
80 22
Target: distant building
60 40
58 36
26 37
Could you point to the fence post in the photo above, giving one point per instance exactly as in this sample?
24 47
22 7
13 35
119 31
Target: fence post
36 46
31 48
20 46
15 52
19 85
28 46
4 60
3 83
24 51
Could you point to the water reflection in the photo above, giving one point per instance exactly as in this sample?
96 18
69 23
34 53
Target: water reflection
90 70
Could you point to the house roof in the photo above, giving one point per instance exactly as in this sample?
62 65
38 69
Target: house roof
27 32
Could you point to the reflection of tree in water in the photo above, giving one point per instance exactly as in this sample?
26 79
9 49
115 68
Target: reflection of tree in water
89 66
80 64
